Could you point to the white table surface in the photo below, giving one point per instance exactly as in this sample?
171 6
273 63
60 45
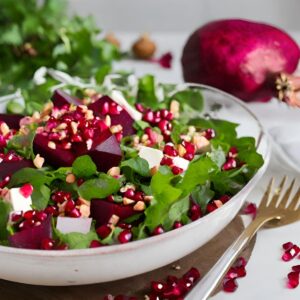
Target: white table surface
266 272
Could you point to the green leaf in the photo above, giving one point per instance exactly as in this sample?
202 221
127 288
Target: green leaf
146 91
136 165
77 240
191 97
40 196
218 156
11 36
5 209
84 167
202 194
99 187
177 129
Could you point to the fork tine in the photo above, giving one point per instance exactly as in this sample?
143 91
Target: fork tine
277 193
265 198
285 198
294 202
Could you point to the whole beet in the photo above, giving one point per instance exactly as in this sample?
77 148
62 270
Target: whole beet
241 57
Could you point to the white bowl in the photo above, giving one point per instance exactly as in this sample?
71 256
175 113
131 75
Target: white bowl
75 267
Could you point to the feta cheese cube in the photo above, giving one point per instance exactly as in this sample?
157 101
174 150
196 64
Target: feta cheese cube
67 225
181 162
151 155
18 201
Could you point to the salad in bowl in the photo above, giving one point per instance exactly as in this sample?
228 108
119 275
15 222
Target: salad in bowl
98 167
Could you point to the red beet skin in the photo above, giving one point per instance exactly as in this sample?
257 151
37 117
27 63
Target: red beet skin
240 57
8 168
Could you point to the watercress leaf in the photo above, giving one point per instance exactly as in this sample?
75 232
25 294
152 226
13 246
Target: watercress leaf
146 91
136 165
100 187
140 125
5 209
218 156
84 167
177 129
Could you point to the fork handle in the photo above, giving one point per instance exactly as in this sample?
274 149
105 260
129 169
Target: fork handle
212 279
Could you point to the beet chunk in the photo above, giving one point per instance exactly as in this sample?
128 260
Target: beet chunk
8 168
13 121
61 98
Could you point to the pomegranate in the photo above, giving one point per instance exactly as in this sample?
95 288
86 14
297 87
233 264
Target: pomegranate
244 58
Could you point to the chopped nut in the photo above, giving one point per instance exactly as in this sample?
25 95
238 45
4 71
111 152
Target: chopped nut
38 161
89 144
176 267
84 108
218 203
4 128
70 178
61 207
74 127
181 150
139 206
114 219
175 108
126 187
116 128
144 47
144 138
89 115
114 171
107 120
154 170
36 116
127 201
85 210
47 109
201 142
52 145
148 198
61 126
191 130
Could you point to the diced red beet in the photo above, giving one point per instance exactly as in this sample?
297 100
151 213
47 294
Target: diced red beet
13 121
102 210
123 118
61 98
8 168
32 238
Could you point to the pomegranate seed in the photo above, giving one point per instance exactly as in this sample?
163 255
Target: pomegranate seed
125 236
193 275
287 246
171 280
95 244
110 198
229 285
188 156
211 206
250 209
16 216
103 231
158 230
232 152
169 117
148 116
70 205
76 138
164 113
4 182
26 190
124 225
224 198
51 210
158 286
40 216
170 150
291 253
162 125
153 136
176 170
293 280
240 271
88 133
119 136
74 213
189 147
210 133
166 161
114 109
157 117
61 196
62 246
80 181
229 164
241 262
177 224
28 215
139 107
296 268
231 274
195 212
26 224
47 244
129 193
173 292
139 196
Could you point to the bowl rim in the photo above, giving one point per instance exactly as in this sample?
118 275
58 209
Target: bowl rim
169 234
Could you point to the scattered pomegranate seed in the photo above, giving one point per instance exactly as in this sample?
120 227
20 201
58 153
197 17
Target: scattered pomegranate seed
26 190
158 230
177 224
291 253
47 244
287 246
232 152
129 193
195 212
176 170
210 133
293 280
250 209
229 164
229 285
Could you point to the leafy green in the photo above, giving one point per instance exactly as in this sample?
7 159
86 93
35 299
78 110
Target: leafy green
99 187
84 167
136 165
5 209
40 196
202 194
190 97
146 91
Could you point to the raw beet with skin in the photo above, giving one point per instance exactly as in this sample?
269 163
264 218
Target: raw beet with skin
8 168
32 238
123 118
102 210
12 121
240 57
61 98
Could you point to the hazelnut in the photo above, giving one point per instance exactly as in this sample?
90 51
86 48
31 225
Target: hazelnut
111 38
144 47
38 161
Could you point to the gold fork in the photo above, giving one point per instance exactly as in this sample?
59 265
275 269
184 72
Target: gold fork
276 212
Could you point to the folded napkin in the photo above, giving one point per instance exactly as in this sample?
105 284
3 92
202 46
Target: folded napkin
283 126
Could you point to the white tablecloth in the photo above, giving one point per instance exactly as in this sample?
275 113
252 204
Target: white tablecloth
266 272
